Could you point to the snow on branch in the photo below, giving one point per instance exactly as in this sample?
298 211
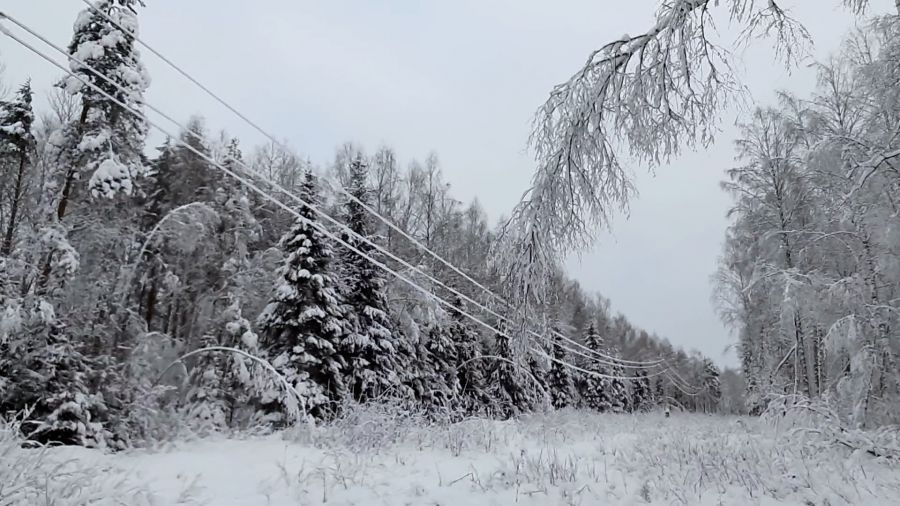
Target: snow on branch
642 98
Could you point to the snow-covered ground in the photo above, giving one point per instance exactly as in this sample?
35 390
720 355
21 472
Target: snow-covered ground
568 458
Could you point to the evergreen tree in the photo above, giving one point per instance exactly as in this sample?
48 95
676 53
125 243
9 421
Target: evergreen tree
305 322
441 359
159 186
207 406
597 388
242 378
506 381
105 140
234 161
642 396
560 379
179 175
42 367
536 386
712 385
16 145
69 411
370 348
659 393
470 364
619 398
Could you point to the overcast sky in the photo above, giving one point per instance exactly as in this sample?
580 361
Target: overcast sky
462 78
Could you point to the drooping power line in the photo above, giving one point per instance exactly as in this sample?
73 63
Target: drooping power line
249 184
633 364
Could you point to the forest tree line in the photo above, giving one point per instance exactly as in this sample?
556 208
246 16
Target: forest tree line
114 263
810 274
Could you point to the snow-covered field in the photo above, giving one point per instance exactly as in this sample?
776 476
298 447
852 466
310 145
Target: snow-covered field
569 458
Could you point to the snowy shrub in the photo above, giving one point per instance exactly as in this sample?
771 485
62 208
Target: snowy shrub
38 476
814 423
366 427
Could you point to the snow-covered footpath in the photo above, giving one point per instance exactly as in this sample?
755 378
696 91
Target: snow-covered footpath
569 458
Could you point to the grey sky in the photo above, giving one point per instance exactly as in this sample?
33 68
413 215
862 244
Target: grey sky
462 78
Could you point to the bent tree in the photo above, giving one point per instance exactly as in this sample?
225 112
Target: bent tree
644 97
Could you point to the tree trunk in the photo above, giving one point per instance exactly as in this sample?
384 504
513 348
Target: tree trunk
819 360
66 194
14 209
71 172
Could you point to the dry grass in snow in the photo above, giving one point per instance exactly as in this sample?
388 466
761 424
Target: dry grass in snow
374 457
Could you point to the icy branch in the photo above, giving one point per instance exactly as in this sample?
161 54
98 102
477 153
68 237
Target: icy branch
643 98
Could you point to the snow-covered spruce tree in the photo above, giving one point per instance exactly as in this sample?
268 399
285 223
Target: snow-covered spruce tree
222 383
68 410
659 392
619 397
207 406
105 141
641 394
41 366
470 364
560 379
712 386
16 149
596 392
369 347
179 175
304 324
441 358
243 378
427 353
506 381
537 388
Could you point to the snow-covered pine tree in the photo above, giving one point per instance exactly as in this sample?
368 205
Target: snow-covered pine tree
369 347
104 141
560 379
304 324
16 146
596 392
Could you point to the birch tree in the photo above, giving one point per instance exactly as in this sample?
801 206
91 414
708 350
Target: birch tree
639 98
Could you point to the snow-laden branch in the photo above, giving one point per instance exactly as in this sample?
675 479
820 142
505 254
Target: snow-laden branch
294 401
643 98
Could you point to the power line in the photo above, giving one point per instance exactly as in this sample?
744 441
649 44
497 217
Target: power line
280 204
299 200
628 364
